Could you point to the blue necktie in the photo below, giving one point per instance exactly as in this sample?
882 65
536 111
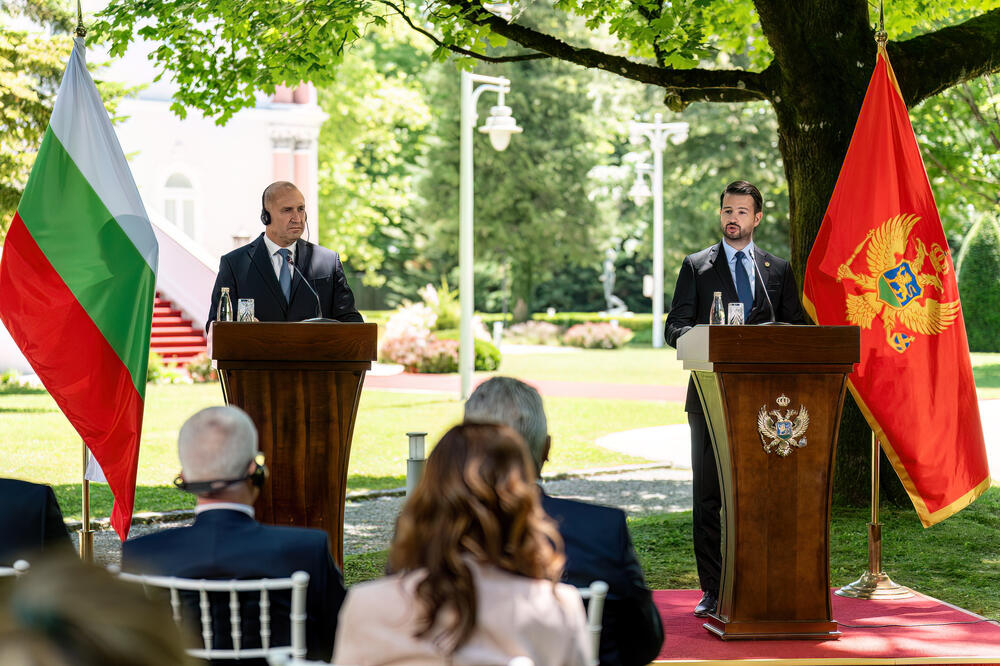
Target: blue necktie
743 284
285 274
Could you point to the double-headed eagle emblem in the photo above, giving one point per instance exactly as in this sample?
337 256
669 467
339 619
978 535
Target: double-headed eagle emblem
894 289
781 434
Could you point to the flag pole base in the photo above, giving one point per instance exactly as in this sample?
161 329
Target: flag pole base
87 546
874 586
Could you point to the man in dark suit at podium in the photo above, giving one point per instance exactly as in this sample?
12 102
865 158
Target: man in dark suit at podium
220 464
597 541
271 267
736 268
30 522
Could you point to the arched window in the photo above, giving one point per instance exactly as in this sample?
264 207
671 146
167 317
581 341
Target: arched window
178 203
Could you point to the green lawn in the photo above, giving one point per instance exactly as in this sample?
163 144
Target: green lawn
620 366
39 444
957 561
986 371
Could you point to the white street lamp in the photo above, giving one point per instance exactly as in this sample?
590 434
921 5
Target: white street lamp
640 192
657 132
500 125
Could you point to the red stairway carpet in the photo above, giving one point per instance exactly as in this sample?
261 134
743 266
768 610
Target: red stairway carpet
687 642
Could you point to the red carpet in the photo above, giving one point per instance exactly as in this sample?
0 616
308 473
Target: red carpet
687 642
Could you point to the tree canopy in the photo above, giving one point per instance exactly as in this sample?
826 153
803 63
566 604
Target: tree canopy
810 60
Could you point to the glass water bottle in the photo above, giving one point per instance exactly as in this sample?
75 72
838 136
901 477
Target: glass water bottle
225 311
717 314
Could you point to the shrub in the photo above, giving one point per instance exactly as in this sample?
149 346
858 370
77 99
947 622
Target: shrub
407 350
597 336
411 320
487 355
10 378
200 369
154 367
444 303
158 372
439 356
979 286
533 333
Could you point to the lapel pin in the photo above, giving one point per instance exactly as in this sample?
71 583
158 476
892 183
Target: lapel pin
767 264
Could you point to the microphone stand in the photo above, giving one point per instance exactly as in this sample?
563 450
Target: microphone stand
319 306
770 305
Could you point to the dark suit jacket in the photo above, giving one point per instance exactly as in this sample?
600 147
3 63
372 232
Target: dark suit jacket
226 544
706 272
249 273
30 522
599 547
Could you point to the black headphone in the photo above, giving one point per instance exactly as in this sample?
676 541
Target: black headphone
257 477
265 216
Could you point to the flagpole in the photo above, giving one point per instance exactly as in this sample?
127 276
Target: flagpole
86 534
874 583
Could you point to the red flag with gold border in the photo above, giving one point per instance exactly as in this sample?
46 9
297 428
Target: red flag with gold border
881 262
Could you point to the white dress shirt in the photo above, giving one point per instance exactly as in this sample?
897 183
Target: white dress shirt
747 264
272 249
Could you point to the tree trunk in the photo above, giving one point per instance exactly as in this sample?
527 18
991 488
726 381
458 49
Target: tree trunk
828 91
522 290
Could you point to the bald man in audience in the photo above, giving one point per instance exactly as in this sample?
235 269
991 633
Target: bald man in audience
222 466
598 544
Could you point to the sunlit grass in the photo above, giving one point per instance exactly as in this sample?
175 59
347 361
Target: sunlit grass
40 445
622 366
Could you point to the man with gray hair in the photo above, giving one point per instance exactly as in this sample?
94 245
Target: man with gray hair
597 540
221 465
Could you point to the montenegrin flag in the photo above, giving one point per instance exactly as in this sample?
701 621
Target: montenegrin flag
77 280
881 262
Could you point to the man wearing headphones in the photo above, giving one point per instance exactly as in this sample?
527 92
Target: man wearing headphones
220 464
288 278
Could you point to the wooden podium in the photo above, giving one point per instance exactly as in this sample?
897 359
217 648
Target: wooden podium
300 383
772 397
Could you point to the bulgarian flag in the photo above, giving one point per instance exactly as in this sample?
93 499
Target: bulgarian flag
881 262
77 281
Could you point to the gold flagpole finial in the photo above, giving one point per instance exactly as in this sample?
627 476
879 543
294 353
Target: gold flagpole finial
881 37
80 30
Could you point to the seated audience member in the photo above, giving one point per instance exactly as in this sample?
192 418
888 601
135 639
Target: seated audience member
477 565
219 462
597 540
67 613
30 522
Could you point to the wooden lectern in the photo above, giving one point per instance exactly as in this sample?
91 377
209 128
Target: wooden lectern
772 397
300 383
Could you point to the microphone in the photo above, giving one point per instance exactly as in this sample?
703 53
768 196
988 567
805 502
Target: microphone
319 306
753 255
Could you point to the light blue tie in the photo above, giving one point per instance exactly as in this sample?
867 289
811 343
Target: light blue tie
285 274
743 284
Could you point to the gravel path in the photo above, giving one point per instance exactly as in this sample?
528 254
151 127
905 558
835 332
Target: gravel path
368 524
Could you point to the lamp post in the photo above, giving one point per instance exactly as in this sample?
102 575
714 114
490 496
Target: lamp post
499 126
657 132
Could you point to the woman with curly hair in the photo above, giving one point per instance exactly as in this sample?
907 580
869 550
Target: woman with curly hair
476 562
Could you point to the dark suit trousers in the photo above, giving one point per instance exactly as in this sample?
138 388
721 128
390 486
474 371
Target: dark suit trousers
706 514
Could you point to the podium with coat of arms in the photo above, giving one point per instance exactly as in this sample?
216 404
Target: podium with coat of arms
772 397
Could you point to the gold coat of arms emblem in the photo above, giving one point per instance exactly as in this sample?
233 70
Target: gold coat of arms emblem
894 290
782 433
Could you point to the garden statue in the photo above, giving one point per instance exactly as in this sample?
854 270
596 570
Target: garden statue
615 305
